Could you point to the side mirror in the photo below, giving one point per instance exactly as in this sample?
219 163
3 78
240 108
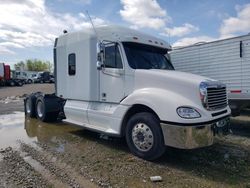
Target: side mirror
100 55
100 60
168 55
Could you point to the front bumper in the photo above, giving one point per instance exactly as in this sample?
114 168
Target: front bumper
193 136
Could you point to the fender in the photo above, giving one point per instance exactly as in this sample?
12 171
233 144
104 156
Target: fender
165 103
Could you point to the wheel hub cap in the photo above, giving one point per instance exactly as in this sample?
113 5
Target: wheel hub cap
40 109
142 137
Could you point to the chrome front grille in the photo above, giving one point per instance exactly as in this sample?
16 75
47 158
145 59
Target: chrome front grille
216 98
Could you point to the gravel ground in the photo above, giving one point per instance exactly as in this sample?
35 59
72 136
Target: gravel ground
11 106
8 92
18 172
62 155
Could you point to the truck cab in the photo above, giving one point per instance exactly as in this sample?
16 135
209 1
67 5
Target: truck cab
121 82
6 77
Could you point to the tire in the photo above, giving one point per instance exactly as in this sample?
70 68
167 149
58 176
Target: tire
41 81
12 83
41 111
29 81
29 106
143 125
19 84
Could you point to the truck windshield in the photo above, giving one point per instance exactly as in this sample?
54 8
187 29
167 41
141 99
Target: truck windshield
141 56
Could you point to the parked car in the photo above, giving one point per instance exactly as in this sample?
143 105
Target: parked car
36 77
44 77
52 79
32 78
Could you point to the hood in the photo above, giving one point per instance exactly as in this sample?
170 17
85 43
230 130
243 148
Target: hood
170 77
171 80
179 76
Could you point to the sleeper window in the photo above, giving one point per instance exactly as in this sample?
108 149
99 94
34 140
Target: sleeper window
72 64
113 57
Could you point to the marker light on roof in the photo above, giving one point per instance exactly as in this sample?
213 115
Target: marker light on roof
156 42
149 40
135 38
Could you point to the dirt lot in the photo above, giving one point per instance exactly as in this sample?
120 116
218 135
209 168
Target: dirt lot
25 89
11 97
36 154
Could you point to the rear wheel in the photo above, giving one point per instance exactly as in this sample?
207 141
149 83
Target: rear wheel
20 83
42 111
144 136
29 106
12 83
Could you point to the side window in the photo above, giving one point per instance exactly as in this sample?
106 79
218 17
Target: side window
72 64
113 57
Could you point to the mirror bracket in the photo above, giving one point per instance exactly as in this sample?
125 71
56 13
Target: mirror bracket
100 55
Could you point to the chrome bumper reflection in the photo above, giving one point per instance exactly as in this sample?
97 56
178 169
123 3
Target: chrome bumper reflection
189 137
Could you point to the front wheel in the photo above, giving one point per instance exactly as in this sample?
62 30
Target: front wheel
144 136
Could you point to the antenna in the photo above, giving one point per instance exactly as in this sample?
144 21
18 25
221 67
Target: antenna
92 24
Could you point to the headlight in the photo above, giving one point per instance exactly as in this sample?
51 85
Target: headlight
188 113
203 93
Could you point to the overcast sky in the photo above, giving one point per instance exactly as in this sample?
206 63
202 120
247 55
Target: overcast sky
28 27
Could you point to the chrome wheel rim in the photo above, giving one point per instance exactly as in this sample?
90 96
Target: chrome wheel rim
142 137
40 109
28 106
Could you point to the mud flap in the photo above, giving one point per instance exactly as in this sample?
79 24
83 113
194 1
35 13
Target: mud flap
55 104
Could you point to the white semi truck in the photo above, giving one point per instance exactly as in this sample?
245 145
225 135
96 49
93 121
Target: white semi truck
120 82
226 60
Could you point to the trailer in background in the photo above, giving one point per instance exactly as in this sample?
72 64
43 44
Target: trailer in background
227 60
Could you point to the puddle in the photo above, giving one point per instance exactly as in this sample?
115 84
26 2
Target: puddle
82 153
15 127
12 129
60 148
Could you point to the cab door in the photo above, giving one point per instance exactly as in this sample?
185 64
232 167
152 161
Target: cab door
112 75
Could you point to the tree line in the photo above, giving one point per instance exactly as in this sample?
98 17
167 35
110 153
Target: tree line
34 65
